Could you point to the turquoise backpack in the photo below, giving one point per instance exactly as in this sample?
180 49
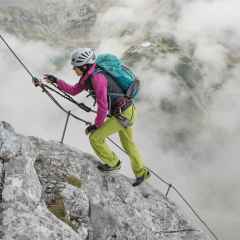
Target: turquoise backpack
123 76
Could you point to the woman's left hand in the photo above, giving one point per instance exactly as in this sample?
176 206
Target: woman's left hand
90 129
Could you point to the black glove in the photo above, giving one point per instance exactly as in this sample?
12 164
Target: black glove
50 78
90 129
35 81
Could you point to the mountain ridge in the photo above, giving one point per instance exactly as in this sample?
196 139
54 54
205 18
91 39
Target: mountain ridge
34 182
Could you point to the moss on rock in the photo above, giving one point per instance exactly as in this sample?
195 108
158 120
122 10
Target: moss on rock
73 181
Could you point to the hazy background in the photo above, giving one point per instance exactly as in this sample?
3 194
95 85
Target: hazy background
206 167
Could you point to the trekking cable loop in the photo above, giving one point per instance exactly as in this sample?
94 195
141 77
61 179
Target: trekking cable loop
65 127
87 109
60 106
185 201
168 190
68 97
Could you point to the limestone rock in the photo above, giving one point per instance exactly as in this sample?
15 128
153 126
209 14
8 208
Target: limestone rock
58 22
38 202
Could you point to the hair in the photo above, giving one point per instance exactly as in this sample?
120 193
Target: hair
85 68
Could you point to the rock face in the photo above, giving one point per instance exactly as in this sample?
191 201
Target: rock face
61 22
164 56
52 191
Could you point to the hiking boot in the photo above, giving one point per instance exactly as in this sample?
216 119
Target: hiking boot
140 179
107 168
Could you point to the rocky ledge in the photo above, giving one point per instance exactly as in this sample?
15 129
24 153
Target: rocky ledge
52 191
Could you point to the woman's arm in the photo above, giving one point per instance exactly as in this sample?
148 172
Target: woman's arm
71 89
100 85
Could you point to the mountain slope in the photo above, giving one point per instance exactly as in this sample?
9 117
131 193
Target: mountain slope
51 191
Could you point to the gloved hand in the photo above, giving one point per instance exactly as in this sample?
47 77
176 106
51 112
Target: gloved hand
36 82
90 129
50 78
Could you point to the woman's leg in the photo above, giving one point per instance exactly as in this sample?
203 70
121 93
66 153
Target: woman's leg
98 141
126 137
111 126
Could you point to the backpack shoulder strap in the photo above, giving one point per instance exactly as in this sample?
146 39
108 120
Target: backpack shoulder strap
89 80
97 70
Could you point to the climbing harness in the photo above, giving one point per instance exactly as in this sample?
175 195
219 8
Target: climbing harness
119 107
45 88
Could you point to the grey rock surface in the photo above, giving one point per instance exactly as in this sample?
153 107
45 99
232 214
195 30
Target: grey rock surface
164 56
58 22
36 176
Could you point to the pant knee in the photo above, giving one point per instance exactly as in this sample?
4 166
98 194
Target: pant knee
95 139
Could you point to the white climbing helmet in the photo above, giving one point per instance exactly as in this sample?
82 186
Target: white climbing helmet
82 56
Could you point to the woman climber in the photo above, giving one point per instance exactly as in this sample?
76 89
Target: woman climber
121 110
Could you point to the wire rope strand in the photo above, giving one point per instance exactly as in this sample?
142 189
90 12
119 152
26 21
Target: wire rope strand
13 52
195 213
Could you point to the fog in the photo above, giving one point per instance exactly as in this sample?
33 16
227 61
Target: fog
206 167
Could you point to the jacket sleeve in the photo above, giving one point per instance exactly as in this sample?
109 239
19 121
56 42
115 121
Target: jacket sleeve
71 89
100 85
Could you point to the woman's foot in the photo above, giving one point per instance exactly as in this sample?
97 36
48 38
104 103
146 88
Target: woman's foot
142 178
106 168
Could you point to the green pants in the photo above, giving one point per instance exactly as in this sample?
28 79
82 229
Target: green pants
111 126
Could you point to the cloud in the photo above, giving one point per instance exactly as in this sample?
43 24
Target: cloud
213 20
204 165
199 165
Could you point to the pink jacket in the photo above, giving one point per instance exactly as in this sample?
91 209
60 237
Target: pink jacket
100 86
